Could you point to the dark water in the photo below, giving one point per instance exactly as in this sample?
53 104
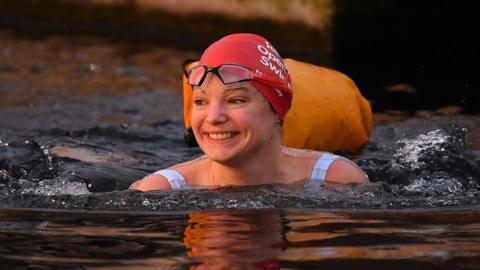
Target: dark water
414 164
400 53
64 204
81 119
246 239
428 48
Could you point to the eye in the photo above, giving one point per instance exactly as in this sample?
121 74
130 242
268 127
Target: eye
199 101
237 100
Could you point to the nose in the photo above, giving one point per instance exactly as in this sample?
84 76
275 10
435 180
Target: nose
216 113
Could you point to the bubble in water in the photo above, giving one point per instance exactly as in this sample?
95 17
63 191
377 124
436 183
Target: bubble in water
48 156
150 205
2 143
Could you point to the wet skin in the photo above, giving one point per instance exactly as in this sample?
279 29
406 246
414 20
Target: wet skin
233 125
240 135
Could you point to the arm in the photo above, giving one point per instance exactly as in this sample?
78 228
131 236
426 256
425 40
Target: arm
344 171
151 182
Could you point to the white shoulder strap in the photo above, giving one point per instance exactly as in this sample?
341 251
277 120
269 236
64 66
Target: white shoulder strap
175 179
320 168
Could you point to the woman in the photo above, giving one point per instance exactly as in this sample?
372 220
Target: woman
241 93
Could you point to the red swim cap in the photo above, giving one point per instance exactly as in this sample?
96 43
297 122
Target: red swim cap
257 54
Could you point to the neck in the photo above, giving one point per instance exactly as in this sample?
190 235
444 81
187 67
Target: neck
261 169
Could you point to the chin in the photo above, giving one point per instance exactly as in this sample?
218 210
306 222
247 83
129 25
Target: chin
222 150
220 156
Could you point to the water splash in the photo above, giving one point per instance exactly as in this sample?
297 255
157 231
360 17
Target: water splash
412 151
26 160
431 169
441 151
435 186
56 186
49 157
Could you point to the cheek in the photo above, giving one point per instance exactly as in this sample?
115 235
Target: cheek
265 113
196 121
259 118
243 119
264 110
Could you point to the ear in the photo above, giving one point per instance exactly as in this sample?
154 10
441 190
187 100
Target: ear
275 115
278 120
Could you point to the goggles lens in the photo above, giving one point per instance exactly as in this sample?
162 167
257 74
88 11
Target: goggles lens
227 73
197 75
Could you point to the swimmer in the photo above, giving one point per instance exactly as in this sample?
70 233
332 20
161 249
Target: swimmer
241 94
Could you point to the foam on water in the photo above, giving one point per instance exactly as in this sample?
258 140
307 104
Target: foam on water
414 149
430 169
441 185
49 187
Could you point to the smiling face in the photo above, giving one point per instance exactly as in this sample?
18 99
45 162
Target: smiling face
233 124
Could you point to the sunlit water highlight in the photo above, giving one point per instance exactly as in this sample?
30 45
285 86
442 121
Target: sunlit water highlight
75 134
247 239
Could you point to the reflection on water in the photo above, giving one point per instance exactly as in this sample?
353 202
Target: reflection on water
81 118
236 240
247 239
79 122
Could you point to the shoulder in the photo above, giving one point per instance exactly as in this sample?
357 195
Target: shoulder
151 182
160 182
337 169
194 171
305 154
345 171
298 163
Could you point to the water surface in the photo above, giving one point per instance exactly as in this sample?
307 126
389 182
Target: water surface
81 119
247 239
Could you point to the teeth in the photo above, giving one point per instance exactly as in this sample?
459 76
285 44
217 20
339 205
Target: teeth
220 136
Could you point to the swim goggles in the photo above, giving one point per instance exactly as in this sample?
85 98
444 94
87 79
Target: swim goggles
229 74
